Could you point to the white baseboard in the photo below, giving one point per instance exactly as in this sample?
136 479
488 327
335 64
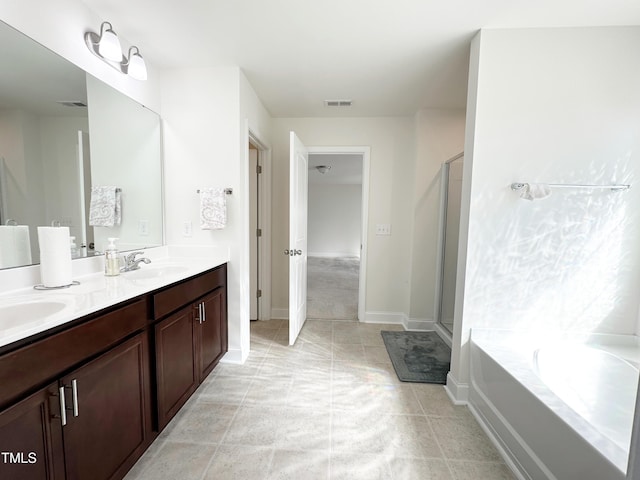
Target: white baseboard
385 317
420 324
234 356
280 314
443 334
458 392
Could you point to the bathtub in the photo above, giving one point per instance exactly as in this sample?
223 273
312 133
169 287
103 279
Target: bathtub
559 409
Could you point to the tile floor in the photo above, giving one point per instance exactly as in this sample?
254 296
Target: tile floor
329 407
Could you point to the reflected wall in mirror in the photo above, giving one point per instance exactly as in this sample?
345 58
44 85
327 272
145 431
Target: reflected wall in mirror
62 131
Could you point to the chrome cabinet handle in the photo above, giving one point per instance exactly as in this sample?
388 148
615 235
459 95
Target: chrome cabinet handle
63 407
74 391
204 312
200 313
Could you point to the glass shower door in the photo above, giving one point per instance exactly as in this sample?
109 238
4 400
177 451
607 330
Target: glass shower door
451 194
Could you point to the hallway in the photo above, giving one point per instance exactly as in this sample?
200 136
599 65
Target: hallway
332 288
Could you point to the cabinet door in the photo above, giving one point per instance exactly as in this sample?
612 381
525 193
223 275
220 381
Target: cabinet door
108 426
31 438
176 366
212 332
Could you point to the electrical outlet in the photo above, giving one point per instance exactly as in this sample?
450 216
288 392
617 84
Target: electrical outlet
143 228
187 229
383 229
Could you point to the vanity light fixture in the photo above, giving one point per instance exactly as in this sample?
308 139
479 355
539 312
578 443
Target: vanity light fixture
106 46
134 65
323 168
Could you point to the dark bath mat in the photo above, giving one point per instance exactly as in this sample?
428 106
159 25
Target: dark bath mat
418 356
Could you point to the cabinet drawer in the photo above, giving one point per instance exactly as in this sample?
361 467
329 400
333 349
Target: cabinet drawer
32 365
179 295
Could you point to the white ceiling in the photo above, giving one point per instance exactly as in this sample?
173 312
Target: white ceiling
345 169
391 57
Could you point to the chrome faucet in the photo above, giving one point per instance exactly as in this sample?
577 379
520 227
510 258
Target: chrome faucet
133 263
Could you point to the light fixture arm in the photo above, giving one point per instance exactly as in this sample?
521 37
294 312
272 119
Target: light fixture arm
123 64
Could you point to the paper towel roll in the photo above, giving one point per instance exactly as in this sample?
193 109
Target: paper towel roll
55 256
15 246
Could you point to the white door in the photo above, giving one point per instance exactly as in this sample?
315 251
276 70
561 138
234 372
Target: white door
297 250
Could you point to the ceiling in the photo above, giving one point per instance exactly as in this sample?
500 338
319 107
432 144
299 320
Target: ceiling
391 57
344 169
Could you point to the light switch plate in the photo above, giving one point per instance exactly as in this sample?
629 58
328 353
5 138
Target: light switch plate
383 229
143 228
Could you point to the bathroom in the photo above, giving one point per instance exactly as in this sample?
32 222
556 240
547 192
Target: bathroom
408 151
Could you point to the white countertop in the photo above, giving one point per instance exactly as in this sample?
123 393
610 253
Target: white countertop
97 292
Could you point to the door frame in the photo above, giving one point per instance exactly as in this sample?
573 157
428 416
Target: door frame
264 221
364 222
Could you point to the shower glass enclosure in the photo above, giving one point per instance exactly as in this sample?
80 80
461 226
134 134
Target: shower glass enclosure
450 198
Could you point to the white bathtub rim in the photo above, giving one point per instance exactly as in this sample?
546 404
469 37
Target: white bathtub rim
519 360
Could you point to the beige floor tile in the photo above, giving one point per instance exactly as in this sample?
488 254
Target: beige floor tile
410 436
147 459
309 394
203 422
231 390
483 470
250 368
348 395
347 466
394 398
239 463
461 438
435 401
186 461
268 391
351 353
299 465
304 429
254 425
376 354
383 373
358 431
420 469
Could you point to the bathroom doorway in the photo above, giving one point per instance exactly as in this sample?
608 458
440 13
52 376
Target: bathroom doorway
336 228
259 229
450 202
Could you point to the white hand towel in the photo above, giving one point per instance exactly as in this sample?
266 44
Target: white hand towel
105 209
15 246
55 256
535 191
213 208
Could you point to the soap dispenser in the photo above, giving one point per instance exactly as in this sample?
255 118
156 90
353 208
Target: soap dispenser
111 261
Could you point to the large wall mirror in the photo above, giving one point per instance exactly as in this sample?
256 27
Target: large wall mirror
63 132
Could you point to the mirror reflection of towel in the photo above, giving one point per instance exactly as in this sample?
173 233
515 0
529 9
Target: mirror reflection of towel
105 209
213 208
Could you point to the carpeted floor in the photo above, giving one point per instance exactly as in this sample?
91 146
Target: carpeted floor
332 287
418 356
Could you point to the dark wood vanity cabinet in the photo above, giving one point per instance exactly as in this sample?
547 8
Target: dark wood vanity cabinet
91 423
189 342
79 403
112 426
31 438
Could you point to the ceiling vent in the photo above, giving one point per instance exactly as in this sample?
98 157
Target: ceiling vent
72 103
338 103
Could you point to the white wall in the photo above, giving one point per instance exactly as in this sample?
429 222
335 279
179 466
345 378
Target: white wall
392 142
204 112
439 136
334 220
555 106
61 25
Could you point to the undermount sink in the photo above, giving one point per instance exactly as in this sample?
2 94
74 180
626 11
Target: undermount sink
147 272
18 314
